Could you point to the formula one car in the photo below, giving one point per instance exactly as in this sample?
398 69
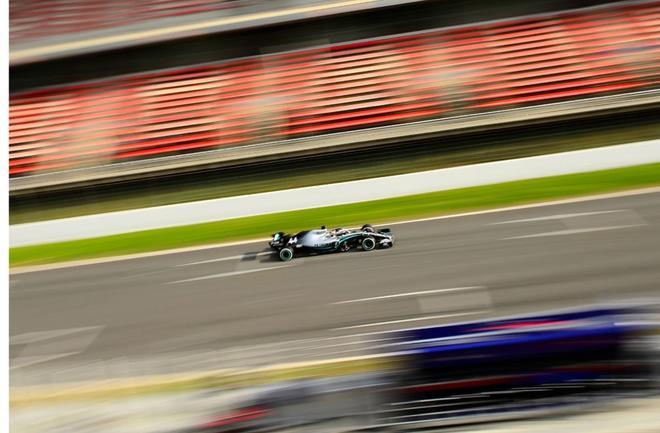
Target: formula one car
322 240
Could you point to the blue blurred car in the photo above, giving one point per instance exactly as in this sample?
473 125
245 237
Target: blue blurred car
473 371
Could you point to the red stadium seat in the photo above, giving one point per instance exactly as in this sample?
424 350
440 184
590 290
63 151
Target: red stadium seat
361 84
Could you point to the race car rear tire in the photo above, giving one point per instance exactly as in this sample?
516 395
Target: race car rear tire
286 254
368 243
368 228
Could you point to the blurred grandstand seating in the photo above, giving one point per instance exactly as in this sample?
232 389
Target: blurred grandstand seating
42 30
32 19
405 78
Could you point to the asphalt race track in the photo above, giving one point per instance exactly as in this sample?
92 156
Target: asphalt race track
210 307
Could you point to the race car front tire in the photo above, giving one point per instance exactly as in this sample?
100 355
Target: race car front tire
286 254
368 243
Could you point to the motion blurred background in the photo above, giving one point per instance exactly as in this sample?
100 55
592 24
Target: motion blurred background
99 84
120 109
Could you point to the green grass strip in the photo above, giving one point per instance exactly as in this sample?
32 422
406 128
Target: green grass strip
498 146
380 211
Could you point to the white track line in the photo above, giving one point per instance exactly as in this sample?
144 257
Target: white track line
86 262
227 274
574 231
561 216
26 361
36 345
38 268
224 259
594 197
37 336
401 295
415 319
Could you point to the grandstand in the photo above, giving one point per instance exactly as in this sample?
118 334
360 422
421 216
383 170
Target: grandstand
43 29
339 87
435 74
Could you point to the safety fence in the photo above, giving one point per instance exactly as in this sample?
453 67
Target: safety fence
429 75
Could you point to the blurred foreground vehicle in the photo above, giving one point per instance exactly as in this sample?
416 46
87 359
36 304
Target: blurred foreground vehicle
473 372
329 241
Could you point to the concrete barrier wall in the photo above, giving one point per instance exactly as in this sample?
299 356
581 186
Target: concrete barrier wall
334 194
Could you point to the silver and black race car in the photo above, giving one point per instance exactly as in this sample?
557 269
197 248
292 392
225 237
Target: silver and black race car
322 240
